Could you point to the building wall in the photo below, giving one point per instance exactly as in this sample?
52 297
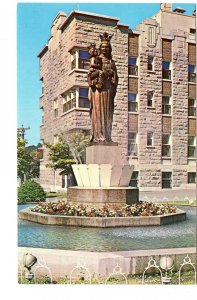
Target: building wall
81 29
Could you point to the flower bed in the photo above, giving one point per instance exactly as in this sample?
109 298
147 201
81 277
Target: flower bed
136 210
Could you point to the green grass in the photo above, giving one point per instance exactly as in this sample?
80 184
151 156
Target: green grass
58 195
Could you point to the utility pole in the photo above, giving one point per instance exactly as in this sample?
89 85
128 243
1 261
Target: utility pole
21 131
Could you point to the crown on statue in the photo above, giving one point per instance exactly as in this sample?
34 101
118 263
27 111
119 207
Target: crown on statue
105 37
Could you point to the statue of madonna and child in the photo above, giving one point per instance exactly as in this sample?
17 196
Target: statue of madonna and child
103 81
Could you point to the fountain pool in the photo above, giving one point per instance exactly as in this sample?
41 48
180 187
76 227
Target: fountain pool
179 235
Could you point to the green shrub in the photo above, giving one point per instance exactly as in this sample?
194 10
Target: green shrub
31 191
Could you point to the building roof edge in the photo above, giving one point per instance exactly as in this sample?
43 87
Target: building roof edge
74 12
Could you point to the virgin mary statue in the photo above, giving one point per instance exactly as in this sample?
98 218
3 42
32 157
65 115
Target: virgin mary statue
103 80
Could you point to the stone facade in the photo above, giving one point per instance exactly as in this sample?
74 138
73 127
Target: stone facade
164 37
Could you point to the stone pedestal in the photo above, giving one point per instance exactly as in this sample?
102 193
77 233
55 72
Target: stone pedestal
108 153
103 196
104 179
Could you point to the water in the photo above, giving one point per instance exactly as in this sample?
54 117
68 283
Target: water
179 235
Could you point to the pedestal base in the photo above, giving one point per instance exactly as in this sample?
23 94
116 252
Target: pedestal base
103 154
99 197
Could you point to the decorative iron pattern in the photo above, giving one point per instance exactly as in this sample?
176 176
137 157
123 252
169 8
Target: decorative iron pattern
81 266
187 261
42 265
151 264
117 271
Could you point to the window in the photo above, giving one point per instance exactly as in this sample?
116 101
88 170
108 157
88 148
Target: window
191 73
132 66
166 105
166 72
55 139
132 144
150 99
42 86
63 181
166 180
76 98
55 107
132 102
149 138
192 107
80 59
69 101
83 98
192 30
150 63
42 110
83 59
166 145
134 182
73 60
191 177
191 146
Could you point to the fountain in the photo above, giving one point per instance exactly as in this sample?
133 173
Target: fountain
104 179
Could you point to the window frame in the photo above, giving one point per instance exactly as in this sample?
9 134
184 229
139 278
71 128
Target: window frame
192 107
133 103
169 105
133 68
150 139
166 145
150 98
150 63
168 180
55 107
78 62
133 144
83 97
134 182
166 72
189 181
191 146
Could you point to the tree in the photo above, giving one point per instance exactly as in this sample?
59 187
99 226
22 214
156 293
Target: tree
78 142
27 162
60 157
69 150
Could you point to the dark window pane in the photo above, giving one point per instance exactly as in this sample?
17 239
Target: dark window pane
166 65
191 68
84 54
191 177
131 97
132 60
84 102
83 92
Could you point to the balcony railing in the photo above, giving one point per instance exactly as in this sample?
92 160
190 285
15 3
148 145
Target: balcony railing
192 77
133 70
166 74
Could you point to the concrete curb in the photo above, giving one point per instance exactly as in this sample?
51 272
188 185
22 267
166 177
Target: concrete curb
46 219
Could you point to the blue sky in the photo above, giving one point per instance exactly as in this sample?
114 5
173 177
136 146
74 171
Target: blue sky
33 30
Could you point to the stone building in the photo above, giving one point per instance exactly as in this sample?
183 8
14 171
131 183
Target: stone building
155 105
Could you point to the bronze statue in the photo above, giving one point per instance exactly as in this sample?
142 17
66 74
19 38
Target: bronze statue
103 80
